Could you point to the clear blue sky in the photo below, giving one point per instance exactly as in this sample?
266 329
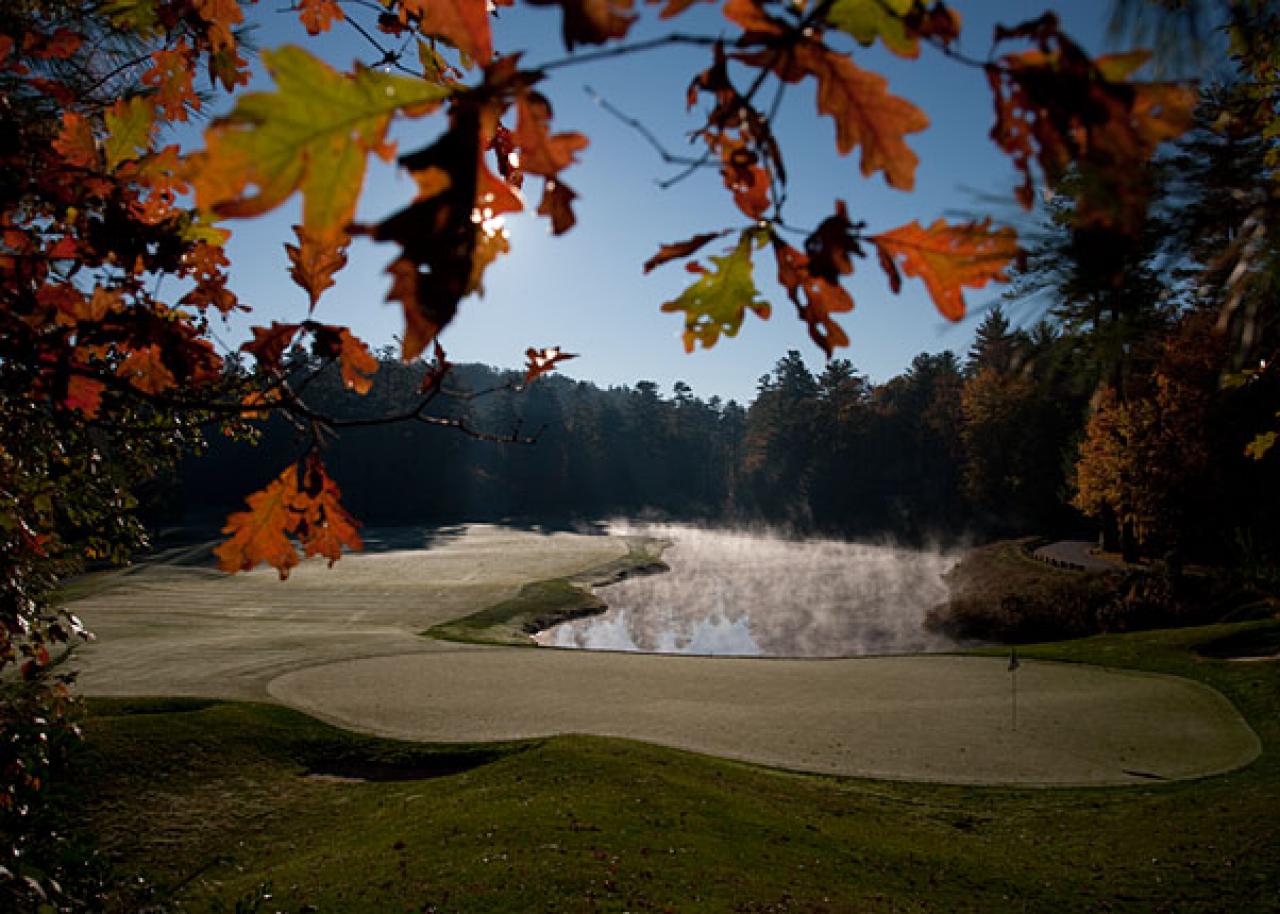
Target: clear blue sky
585 290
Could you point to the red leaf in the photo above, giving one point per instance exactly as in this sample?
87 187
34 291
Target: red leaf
592 21
84 395
678 249
269 343
541 361
557 203
816 298
540 152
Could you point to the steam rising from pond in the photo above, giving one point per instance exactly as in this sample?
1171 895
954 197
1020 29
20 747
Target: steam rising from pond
759 594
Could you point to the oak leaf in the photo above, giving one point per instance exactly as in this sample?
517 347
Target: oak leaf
677 249
542 153
261 534
269 343
557 205
951 257
866 115
816 298
130 123
462 23
145 370
540 361
867 20
358 363
312 135
313 261
302 502
319 15
84 395
592 21
718 301
170 78
76 142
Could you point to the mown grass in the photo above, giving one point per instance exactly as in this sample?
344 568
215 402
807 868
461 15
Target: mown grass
213 799
542 604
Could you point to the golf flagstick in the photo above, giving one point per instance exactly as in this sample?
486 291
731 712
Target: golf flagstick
1013 681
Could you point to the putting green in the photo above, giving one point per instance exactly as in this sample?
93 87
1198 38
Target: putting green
939 718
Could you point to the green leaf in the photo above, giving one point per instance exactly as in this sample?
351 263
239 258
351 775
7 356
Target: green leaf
1258 447
867 20
129 124
718 301
313 134
133 15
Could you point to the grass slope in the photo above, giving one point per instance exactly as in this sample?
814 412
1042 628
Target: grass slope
211 800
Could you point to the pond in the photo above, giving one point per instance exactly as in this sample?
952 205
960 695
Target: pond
747 594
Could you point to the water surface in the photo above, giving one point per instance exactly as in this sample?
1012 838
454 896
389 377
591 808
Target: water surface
762 595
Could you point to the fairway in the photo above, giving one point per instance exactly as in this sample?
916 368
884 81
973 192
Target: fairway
342 644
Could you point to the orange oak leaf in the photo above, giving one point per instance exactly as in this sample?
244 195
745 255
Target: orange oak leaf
951 257
170 78
678 249
462 23
592 21
261 534
540 361
76 142
269 343
319 15
145 370
325 526
302 502
313 261
816 298
358 363
220 18
866 115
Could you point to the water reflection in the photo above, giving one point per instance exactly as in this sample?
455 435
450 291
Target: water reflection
747 594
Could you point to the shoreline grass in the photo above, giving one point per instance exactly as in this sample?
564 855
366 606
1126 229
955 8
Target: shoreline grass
541 604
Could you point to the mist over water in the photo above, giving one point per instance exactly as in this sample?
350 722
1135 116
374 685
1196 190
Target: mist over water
758 594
